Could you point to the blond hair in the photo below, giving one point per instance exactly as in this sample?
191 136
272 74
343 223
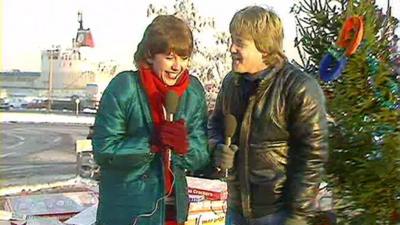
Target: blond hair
265 28
165 34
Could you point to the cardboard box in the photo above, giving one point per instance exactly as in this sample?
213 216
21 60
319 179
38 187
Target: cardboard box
206 219
59 205
211 189
208 206
86 217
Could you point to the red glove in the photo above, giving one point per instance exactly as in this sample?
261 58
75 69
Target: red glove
174 135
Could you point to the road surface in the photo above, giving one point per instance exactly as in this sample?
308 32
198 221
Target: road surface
38 153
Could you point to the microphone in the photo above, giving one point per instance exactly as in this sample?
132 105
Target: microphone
230 128
171 107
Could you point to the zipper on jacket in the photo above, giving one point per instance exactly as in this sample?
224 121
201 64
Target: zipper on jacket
244 158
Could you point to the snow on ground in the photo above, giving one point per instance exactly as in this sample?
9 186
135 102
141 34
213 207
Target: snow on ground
71 182
43 117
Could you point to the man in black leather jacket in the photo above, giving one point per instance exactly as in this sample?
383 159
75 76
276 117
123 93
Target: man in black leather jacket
278 150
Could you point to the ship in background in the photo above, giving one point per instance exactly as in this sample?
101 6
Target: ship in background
66 75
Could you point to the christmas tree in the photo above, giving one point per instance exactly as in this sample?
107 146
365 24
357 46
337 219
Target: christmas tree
363 92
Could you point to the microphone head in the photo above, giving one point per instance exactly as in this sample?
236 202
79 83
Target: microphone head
171 102
230 125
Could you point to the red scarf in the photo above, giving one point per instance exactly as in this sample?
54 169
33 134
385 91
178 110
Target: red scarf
156 91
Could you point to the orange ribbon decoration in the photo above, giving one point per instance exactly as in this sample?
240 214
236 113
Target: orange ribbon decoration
352 34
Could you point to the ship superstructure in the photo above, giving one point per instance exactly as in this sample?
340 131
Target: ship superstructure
66 72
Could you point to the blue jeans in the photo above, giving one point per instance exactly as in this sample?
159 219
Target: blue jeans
235 218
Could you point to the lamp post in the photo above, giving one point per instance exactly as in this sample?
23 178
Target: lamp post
77 106
50 87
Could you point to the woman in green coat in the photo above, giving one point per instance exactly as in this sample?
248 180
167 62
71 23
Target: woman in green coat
132 136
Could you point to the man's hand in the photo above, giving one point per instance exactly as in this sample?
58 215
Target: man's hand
224 156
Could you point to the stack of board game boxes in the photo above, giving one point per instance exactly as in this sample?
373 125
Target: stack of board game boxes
207 201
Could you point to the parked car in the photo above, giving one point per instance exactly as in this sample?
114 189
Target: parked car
89 111
4 104
17 103
36 104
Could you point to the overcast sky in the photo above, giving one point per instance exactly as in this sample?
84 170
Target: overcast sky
29 26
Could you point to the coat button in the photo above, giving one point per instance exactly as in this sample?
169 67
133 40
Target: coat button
145 176
149 157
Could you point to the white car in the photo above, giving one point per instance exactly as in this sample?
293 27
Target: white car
89 111
18 103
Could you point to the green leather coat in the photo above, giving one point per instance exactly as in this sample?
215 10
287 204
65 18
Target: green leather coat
131 175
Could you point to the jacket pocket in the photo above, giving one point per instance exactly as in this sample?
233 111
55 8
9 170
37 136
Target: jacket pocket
268 155
267 171
267 192
139 191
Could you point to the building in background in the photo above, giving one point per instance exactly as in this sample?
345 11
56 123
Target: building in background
66 73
